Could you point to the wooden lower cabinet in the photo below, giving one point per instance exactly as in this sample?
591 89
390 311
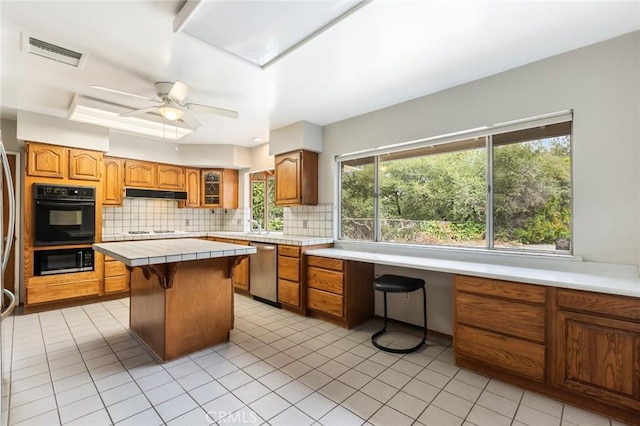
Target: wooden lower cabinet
502 324
58 292
577 346
597 347
289 276
241 271
116 276
341 290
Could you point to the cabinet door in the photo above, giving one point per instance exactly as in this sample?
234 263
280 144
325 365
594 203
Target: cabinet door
139 174
84 165
288 178
170 177
599 357
241 272
112 181
211 188
46 160
192 180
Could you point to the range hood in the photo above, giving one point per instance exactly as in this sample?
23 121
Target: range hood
154 193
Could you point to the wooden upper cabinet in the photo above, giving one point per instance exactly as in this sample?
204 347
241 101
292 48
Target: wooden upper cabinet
192 182
297 178
112 181
84 165
141 174
219 188
170 177
46 160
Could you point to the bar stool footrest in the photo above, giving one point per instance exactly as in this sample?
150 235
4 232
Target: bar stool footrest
394 350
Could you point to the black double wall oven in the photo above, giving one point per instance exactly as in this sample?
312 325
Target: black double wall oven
63 215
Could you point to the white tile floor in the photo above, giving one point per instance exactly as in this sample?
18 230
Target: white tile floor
81 366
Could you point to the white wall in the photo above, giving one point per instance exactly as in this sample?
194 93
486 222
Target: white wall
236 157
48 129
141 148
9 139
300 135
600 83
260 158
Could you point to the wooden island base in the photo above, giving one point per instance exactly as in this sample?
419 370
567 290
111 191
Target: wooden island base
193 313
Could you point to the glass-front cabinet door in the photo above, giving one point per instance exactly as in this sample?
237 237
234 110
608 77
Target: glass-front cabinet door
212 188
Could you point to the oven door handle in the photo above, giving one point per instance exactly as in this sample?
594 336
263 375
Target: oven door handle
63 204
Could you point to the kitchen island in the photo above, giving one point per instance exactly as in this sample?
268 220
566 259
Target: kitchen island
181 291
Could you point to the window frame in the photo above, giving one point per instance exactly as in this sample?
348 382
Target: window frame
488 132
262 177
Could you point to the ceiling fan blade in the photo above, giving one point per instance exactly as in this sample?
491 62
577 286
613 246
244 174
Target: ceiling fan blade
139 111
120 92
212 110
178 92
190 120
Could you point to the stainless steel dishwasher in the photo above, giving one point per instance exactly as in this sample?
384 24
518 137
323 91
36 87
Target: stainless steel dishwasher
263 273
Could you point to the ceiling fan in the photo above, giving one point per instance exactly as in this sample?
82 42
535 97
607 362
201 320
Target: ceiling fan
169 104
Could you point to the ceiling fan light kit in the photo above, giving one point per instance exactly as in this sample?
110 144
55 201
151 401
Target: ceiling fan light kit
93 111
170 113
170 105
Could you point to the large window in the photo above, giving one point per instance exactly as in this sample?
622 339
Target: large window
263 204
509 190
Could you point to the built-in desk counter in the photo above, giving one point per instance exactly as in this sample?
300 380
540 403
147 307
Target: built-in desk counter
181 291
571 335
625 286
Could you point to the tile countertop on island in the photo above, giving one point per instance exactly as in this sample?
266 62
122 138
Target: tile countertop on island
274 237
624 286
140 253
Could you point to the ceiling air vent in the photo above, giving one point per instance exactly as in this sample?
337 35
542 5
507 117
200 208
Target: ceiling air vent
56 53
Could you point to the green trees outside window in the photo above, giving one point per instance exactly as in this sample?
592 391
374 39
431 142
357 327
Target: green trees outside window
263 202
510 191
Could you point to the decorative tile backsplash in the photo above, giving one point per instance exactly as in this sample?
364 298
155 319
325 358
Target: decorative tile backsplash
140 214
312 221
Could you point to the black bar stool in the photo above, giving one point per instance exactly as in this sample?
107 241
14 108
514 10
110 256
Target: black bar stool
399 284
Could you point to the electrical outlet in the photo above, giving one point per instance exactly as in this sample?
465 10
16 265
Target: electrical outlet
305 224
406 296
239 222
187 222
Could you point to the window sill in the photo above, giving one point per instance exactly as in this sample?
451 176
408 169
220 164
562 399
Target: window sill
538 260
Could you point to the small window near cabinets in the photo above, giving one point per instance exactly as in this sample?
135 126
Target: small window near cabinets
263 197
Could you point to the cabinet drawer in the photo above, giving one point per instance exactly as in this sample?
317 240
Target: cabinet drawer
598 303
324 302
289 292
114 284
517 356
112 269
326 263
289 268
49 293
290 251
503 316
323 279
505 289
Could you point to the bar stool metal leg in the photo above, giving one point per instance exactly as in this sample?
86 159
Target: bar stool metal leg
384 328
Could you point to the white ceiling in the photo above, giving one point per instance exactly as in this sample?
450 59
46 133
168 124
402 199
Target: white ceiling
386 52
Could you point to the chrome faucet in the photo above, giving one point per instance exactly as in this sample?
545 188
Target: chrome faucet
254 222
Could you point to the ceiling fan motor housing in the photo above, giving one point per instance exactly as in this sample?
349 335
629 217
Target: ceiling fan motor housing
162 89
